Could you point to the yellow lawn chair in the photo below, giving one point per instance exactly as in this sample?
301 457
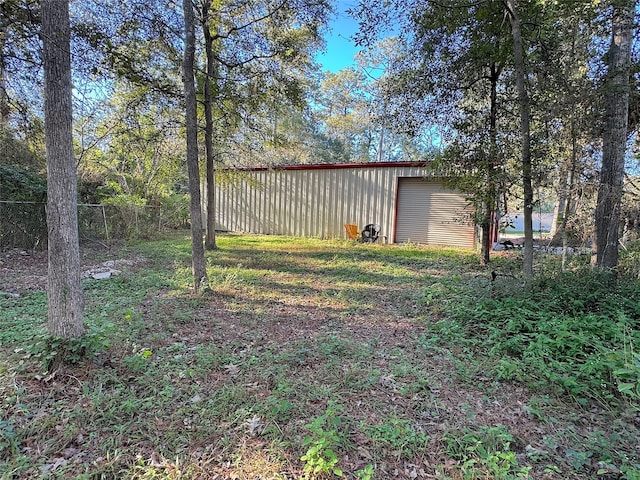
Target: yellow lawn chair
352 231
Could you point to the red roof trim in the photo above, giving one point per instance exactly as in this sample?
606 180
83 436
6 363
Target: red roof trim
328 166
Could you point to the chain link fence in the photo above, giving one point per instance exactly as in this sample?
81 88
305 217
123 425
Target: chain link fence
24 224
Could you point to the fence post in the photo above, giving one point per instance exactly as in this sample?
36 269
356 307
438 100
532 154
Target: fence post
106 227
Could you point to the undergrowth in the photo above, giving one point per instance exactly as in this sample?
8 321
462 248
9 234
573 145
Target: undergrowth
325 359
575 333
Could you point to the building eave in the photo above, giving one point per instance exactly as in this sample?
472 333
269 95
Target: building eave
329 166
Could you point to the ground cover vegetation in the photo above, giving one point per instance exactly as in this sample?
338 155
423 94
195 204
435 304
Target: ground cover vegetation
323 359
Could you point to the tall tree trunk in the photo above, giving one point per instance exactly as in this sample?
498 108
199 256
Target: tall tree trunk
491 186
566 186
64 290
525 132
197 247
567 212
210 239
614 138
4 97
561 191
568 196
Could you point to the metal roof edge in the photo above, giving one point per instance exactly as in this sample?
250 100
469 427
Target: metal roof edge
328 166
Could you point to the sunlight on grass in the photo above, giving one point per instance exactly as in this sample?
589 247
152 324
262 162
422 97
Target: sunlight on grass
377 361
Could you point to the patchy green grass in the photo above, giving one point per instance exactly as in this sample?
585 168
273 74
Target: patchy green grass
326 359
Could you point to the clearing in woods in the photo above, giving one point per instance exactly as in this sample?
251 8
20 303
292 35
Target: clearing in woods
316 359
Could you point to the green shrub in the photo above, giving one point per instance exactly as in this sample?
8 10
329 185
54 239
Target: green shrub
20 184
563 332
175 211
22 216
48 350
129 216
629 264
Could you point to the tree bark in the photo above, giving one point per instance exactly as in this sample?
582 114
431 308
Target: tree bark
490 201
210 239
525 133
193 168
614 138
4 97
561 191
64 290
564 204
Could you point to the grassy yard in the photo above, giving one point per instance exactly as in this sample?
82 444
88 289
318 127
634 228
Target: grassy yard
325 359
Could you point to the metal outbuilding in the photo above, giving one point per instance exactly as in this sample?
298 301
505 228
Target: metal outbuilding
406 199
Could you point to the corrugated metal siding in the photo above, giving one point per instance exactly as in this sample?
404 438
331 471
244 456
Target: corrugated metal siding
317 202
430 214
311 203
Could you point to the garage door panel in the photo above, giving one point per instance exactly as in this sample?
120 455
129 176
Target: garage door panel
429 213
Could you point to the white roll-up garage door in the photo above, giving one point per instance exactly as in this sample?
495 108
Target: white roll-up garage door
431 214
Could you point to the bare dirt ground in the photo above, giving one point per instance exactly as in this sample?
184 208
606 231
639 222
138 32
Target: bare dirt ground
22 270
26 270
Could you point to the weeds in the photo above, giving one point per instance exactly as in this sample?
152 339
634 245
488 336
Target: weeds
625 367
9 445
398 436
564 332
321 458
367 473
484 452
302 350
47 349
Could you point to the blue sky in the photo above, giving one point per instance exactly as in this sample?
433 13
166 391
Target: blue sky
340 49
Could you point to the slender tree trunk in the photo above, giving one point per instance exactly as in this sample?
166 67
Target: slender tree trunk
558 208
197 247
4 97
568 200
565 216
614 139
210 239
525 132
64 290
563 191
491 188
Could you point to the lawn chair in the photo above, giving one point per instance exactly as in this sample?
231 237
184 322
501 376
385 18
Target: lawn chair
352 231
371 233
